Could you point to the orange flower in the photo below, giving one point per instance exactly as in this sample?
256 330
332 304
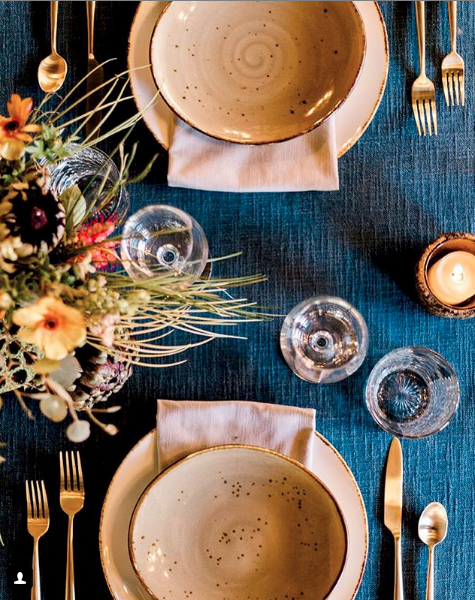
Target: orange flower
14 133
51 326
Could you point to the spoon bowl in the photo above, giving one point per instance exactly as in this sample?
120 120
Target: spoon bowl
433 524
52 73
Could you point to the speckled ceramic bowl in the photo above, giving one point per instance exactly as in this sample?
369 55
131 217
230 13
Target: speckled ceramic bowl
232 519
257 72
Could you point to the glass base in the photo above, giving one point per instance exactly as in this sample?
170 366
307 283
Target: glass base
324 340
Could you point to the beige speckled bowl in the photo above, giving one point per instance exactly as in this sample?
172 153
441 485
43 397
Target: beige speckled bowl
232 519
257 72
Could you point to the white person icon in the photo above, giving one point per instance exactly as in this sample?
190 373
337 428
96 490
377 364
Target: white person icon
19 580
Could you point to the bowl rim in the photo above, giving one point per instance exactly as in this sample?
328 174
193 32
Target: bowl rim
211 449
244 142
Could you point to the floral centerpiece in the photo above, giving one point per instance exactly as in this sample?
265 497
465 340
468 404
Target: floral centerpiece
73 323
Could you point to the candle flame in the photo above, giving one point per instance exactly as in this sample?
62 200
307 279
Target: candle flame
458 274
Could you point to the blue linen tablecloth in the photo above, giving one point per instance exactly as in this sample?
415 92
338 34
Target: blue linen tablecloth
397 192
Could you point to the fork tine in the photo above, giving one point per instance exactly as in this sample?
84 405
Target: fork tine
29 508
61 471
457 86
45 500
81 480
450 76
69 484
462 87
421 115
34 503
416 116
434 115
74 481
39 498
446 88
429 120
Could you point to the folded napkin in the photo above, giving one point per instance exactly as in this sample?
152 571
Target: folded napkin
185 427
308 162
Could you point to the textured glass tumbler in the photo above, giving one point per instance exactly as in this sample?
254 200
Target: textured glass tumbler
163 238
86 169
412 392
324 339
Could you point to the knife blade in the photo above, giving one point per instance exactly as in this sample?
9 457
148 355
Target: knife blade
393 489
393 509
95 75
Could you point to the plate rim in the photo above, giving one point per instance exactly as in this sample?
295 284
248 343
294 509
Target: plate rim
326 442
341 151
212 449
244 142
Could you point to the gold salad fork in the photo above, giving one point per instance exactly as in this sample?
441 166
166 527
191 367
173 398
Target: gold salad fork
423 91
38 525
453 67
71 497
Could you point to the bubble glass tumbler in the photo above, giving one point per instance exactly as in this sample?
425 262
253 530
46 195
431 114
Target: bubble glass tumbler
162 238
412 392
324 339
86 169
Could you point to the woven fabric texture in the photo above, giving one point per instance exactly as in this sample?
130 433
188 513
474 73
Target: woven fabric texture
397 192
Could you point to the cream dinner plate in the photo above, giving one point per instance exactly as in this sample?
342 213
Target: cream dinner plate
234 519
140 468
257 72
352 118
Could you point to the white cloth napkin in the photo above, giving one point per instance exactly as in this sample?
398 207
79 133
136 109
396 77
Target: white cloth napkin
184 427
308 162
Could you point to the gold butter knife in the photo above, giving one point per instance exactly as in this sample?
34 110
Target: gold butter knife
95 76
393 509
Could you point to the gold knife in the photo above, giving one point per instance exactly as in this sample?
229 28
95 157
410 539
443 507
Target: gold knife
393 509
95 75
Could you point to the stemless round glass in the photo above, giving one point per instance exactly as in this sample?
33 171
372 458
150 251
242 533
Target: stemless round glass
324 339
163 238
412 392
86 169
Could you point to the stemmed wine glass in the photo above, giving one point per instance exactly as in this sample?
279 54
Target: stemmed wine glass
324 339
162 238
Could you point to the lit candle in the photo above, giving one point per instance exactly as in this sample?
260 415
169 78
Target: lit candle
452 278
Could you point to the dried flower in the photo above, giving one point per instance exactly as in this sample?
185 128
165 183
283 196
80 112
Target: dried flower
104 328
51 326
93 235
14 132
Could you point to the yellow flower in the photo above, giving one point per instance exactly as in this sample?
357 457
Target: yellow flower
51 326
13 129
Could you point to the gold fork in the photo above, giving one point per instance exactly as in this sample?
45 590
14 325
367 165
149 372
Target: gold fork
38 525
423 91
71 497
453 67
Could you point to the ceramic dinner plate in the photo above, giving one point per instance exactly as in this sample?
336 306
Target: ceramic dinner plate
228 520
257 72
140 468
352 118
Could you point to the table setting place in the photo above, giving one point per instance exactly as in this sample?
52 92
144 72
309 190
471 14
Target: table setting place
237 275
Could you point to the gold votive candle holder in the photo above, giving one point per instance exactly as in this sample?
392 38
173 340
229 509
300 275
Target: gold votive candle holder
436 250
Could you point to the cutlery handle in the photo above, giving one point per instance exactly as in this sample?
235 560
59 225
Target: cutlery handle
36 584
430 576
398 583
452 8
53 16
91 15
421 34
70 593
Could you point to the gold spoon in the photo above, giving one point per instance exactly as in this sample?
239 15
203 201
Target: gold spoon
52 70
433 525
